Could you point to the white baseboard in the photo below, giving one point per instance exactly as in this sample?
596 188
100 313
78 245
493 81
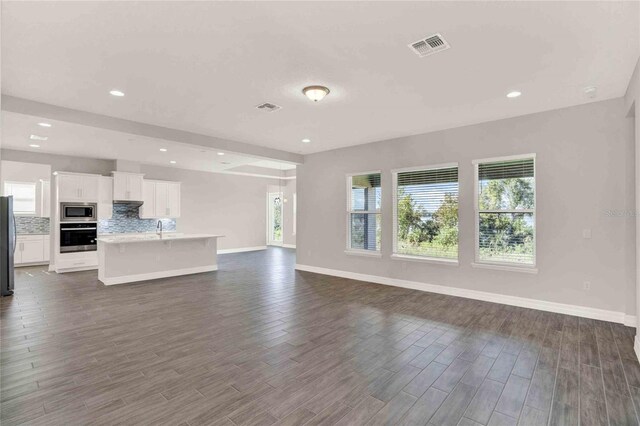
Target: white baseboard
241 249
630 320
155 275
289 246
523 302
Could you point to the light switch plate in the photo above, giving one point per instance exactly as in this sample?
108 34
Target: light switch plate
586 233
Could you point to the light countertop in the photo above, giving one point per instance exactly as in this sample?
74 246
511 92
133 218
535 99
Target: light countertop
141 238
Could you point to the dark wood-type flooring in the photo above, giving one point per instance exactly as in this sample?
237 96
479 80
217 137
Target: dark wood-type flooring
257 343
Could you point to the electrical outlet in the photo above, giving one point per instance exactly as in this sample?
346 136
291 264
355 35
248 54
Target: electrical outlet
586 285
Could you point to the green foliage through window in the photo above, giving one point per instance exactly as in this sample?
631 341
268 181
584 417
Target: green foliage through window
506 204
427 213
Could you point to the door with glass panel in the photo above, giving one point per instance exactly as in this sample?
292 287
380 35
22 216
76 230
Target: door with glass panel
274 219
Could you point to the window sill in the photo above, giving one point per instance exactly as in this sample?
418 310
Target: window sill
363 253
523 269
424 259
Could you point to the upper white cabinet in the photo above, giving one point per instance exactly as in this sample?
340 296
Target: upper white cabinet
127 186
105 200
78 187
161 199
148 208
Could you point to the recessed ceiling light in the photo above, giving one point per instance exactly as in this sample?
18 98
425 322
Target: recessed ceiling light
117 93
163 149
38 138
306 140
43 124
172 162
221 153
514 94
316 93
33 145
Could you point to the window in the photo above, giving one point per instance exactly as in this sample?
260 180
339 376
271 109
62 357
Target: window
24 197
363 212
425 216
505 211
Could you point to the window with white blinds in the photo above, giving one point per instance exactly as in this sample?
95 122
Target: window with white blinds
24 197
363 212
505 211
425 207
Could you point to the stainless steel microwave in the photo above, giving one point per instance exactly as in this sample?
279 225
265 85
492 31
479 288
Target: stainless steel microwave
78 212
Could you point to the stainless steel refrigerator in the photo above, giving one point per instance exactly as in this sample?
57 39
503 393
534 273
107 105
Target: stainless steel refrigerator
7 244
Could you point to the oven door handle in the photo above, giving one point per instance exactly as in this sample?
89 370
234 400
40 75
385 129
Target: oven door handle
78 229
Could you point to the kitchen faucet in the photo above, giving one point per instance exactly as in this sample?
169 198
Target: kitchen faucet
159 226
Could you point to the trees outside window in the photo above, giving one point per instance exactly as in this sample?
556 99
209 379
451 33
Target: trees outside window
506 211
426 212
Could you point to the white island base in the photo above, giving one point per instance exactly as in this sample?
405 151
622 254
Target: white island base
126 259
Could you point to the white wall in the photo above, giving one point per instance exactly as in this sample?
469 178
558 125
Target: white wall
632 106
217 203
585 166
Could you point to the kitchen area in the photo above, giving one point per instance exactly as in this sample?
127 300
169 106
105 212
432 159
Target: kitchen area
122 225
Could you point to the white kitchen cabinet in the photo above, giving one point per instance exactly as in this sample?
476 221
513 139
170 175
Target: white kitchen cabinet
167 199
69 187
78 187
31 249
127 186
148 208
161 199
173 199
105 199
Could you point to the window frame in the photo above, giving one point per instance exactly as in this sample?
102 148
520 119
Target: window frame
348 249
409 257
509 266
35 196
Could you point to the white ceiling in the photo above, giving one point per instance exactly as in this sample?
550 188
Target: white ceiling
91 142
203 66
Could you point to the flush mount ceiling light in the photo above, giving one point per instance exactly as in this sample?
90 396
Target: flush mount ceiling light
163 149
305 140
33 145
44 124
173 161
115 92
221 153
513 94
315 93
38 138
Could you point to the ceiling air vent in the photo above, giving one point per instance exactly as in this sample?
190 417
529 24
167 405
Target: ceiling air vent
268 107
430 45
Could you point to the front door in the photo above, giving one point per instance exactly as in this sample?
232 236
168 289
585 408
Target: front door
274 220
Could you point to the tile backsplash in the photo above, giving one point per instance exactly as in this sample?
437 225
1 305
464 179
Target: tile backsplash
126 219
32 225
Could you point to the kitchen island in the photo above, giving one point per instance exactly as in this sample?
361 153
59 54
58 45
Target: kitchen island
139 257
